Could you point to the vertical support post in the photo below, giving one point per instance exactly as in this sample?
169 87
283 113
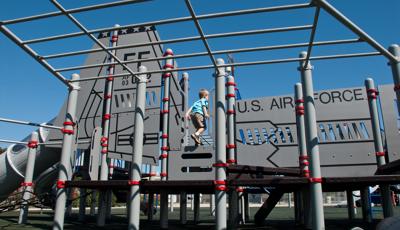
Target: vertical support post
183 208
93 202
366 205
246 207
105 196
350 205
196 204
150 209
220 140
169 65
134 197
312 144
171 202
231 147
82 204
185 77
212 204
395 50
372 93
27 184
303 156
66 151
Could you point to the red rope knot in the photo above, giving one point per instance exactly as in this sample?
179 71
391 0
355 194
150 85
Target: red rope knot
304 163
110 78
103 140
166 66
231 161
298 101
104 144
220 185
166 75
165 99
222 165
104 151
107 116
153 174
133 182
164 136
164 111
108 96
163 156
111 166
315 180
165 148
168 52
67 131
303 157
396 87
230 146
372 93
230 83
114 38
69 123
230 111
60 184
299 110
163 174
32 144
239 190
229 95
380 154
26 184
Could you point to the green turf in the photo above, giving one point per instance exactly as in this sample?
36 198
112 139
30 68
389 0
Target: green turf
280 218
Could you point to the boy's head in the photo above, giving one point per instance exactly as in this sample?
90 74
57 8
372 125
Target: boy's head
203 93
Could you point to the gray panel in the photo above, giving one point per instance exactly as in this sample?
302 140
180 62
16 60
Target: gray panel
391 120
90 105
193 163
266 132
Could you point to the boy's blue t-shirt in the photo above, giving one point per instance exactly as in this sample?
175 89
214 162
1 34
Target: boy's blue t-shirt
197 107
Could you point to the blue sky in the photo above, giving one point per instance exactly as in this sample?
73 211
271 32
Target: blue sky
29 92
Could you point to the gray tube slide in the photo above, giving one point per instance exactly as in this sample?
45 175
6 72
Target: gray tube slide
13 163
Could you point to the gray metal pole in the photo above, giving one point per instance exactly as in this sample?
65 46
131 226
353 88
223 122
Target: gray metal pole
169 65
303 156
366 205
185 77
134 207
66 152
350 204
395 50
312 145
212 204
183 208
372 93
196 211
153 174
105 196
220 147
27 184
82 204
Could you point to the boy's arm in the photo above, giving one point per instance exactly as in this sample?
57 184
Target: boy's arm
187 115
205 112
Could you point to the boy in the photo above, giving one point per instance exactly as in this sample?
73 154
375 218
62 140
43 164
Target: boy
197 113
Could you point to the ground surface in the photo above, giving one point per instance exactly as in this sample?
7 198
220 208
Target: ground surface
280 218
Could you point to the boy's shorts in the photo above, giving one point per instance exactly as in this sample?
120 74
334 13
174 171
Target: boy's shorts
198 120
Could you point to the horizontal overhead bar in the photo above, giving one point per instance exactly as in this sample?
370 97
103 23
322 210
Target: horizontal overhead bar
174 20
71 11
13 142
253 49
33 54
28 123
60 142
276 61
185 39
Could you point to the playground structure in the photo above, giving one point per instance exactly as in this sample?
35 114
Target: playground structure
113 113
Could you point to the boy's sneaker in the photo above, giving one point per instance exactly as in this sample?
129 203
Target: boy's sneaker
196 138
